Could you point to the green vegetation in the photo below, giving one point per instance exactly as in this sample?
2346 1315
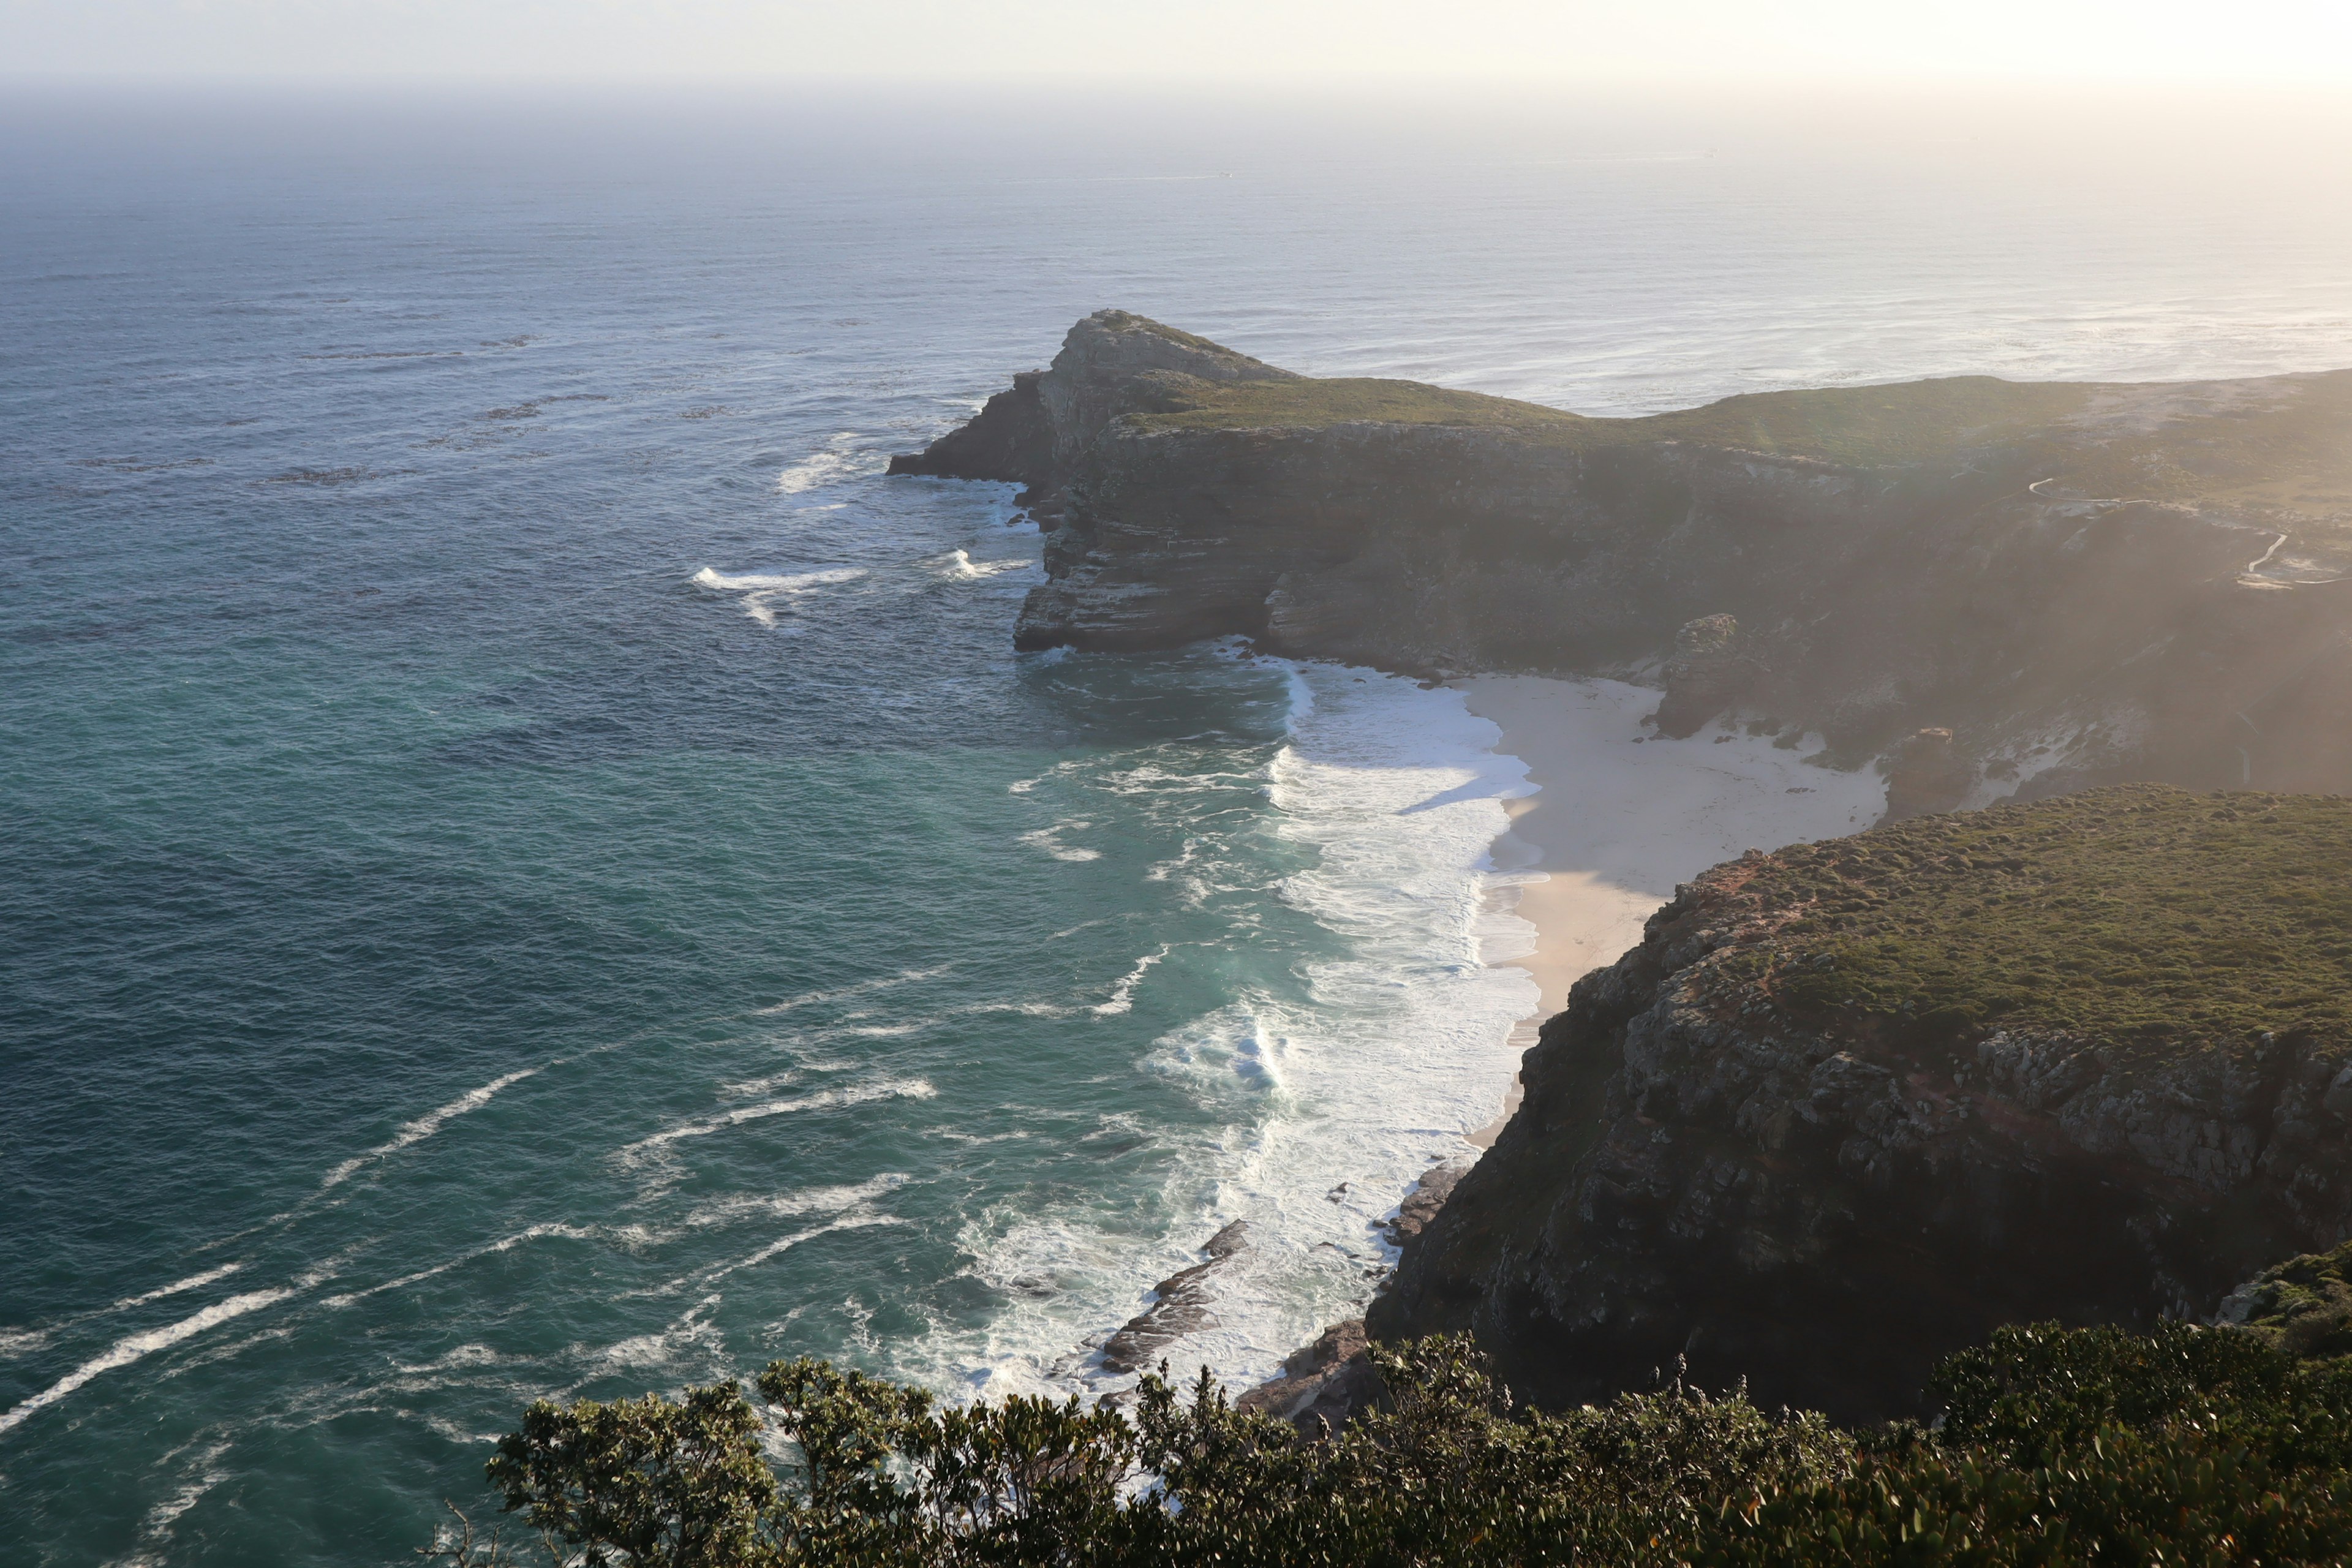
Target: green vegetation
1873 426
2057 1447
2304 1305
2136 914
1129 321
2278 454
1860 427
1346 400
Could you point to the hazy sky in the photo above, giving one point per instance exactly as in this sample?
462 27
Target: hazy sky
2211 41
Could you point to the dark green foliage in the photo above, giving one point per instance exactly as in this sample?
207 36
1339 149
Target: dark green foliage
2057 1447
644 1483
2089 1445
2131 915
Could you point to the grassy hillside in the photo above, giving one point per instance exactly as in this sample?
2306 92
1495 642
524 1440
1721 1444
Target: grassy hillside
2279 447
1858 426
2139 914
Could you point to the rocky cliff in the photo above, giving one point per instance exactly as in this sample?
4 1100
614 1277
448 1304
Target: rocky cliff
1849 1106
2081 583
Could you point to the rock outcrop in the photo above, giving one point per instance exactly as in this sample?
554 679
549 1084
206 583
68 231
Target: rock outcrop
1849 1106
1322 1384
2082 583
1927 774
2304 1305
1182 1304
1707 676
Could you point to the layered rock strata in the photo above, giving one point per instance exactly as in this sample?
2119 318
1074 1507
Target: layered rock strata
2083 583
1849 1106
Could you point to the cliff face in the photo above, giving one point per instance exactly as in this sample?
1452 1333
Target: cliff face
2082 583
1849 1106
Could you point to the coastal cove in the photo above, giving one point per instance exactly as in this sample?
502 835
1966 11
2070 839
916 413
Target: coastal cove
541 872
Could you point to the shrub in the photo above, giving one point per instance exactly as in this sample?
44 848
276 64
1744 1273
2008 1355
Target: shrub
2056 1447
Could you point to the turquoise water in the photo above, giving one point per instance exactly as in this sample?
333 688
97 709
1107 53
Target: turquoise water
533 869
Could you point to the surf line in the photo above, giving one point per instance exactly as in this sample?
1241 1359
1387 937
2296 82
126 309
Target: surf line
123 1351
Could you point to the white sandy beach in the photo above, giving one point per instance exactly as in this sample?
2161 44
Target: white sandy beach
1621 816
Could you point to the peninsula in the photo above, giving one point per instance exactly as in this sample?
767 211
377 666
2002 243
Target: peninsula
2060 583
1846 1107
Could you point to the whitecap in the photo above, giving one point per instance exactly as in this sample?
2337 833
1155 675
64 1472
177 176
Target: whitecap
656 1349
426 1125
504 1244
762 591
893 1088
177 1286
155 1530
739 1206
123 1351
841 460
1396 1047
863 987
1049 840
1122 997
957 565
18 1343
786 1243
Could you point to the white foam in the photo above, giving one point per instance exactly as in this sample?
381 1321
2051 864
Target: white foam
504 1244
1122 995
1393 1050
739 1206
155 1530
863 987
892 1088
653 1350
786 1243
841 458
426 1125
25 1341
177 1286
1049 839
123 1351
762 592
957 565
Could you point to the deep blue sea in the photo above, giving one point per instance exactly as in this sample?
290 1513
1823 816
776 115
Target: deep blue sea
531 868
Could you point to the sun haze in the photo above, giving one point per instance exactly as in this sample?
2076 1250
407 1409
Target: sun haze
2256 41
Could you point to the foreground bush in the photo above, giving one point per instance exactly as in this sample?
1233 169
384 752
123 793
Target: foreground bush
2057 1447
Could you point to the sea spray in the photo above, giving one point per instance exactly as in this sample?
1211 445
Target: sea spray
1324 1092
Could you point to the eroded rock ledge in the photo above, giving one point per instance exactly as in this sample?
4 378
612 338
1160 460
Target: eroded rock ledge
2081 583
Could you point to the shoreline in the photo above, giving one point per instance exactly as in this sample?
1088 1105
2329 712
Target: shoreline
1619 816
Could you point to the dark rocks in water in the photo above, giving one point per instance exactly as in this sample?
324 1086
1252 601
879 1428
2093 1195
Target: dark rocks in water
1421 1204
1182 1305
1707 676
1011 439
1929 774
1322 1384
1849 1106
1895 556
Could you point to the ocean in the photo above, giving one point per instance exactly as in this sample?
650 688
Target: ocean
531 869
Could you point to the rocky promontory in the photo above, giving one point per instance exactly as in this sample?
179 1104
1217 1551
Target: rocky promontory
2080 583
1850 1106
